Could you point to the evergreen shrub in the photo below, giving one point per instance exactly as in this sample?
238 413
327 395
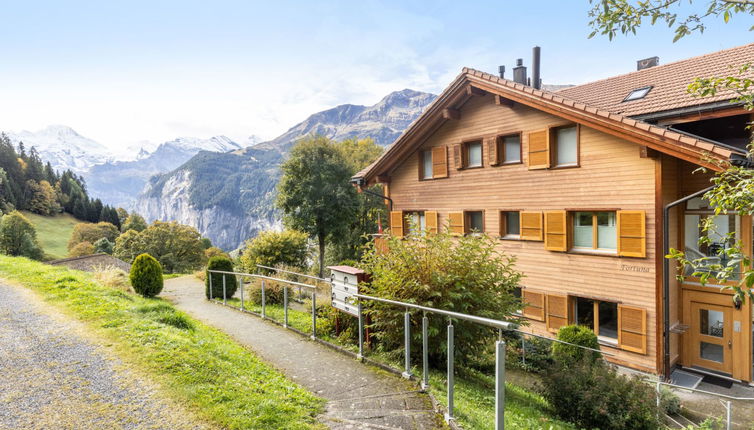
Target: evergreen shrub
222 264
146 276
578 335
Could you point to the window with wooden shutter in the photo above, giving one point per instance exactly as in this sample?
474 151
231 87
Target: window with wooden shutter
396 223
431 222
534 305
440 162
557 312
632 234
539 150
458 156
556 231
531 225
456 223
632 329
492 154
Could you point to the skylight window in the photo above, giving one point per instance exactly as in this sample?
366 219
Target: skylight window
637 94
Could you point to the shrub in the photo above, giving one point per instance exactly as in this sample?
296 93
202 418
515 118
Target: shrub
578 335
81 249
273 248
531 354
273 293
134 222
18 236
223 264
464 274
103 246
85 232
146 276
214 251
594 395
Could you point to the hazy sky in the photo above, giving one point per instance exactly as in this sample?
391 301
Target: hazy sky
122 72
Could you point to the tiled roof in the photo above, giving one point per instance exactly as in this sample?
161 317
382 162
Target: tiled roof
668 82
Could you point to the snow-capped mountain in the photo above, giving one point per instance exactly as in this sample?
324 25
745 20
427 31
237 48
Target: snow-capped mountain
63 147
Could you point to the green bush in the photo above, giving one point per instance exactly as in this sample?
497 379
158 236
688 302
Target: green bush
18 237
274 248
223 264
578 335
273 292
103 246
593 395
531 354
146 276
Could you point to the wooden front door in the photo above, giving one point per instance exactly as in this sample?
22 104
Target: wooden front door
711 337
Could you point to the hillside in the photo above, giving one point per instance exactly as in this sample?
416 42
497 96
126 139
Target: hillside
53 232
230 197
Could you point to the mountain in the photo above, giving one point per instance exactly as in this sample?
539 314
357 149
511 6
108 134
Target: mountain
119 183
63 147
230 197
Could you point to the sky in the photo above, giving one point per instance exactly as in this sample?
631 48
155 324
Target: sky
127 72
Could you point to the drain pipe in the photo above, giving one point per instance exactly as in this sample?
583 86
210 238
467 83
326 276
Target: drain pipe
666 275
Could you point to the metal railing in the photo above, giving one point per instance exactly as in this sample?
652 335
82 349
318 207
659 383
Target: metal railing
727 403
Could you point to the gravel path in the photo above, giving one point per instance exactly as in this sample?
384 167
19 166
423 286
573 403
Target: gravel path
54 376
358 396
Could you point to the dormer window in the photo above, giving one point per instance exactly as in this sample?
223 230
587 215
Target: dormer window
637 94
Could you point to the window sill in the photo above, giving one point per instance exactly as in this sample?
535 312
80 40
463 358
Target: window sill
510 237
471 167
565 166
607 342
593 252
509 163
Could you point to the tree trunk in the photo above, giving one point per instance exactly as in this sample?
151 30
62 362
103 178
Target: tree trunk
321 238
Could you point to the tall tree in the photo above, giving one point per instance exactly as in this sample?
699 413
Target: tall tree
314 193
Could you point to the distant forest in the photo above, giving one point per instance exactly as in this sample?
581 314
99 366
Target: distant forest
27 183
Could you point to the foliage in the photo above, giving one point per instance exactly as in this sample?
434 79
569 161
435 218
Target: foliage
593 395
740 85
42 198
273 293
128 246
274 248
670 404
18 236
214 251
314 193
609 17
194 367
176 246
113 277
529 354
464 274
85 232
216 279
146 276
103 246
134 222
81 249
577 335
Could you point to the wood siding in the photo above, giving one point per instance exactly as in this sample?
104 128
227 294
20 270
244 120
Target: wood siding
611 175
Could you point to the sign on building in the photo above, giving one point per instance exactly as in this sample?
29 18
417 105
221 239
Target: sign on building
345 283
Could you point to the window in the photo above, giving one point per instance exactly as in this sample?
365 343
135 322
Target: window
637 94
600 316
473 154
509 149
595 231
426 165
565 146
510 224
474 222
416 222
725 230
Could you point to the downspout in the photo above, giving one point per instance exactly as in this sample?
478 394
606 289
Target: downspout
666 275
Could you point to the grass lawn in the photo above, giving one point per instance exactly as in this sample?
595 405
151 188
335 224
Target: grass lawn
53 232
195 364
474 392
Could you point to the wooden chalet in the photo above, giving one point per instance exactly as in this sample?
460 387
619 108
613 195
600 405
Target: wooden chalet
574 184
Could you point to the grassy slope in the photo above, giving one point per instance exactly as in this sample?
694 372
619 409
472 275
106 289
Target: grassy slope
53 232
197 365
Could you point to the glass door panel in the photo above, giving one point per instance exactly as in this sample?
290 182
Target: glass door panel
711 337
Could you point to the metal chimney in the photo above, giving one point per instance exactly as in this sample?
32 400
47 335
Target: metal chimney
501 71
647 63
519 72
535 55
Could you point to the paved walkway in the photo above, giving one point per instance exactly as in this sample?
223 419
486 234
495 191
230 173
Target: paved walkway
54 377
358 396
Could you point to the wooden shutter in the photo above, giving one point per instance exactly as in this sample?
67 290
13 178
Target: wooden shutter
539 150
456 223
492 155
457 156
440 162
632 329
396 223
534 304
557 311
631 234
556 231
531 225
431 221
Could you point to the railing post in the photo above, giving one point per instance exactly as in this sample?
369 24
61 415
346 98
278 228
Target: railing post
211 293
240 282
264 314
425 352
728 413
225 299
523 350
407 341
285 306
361 331
658 395
500 385
314 314
451 352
